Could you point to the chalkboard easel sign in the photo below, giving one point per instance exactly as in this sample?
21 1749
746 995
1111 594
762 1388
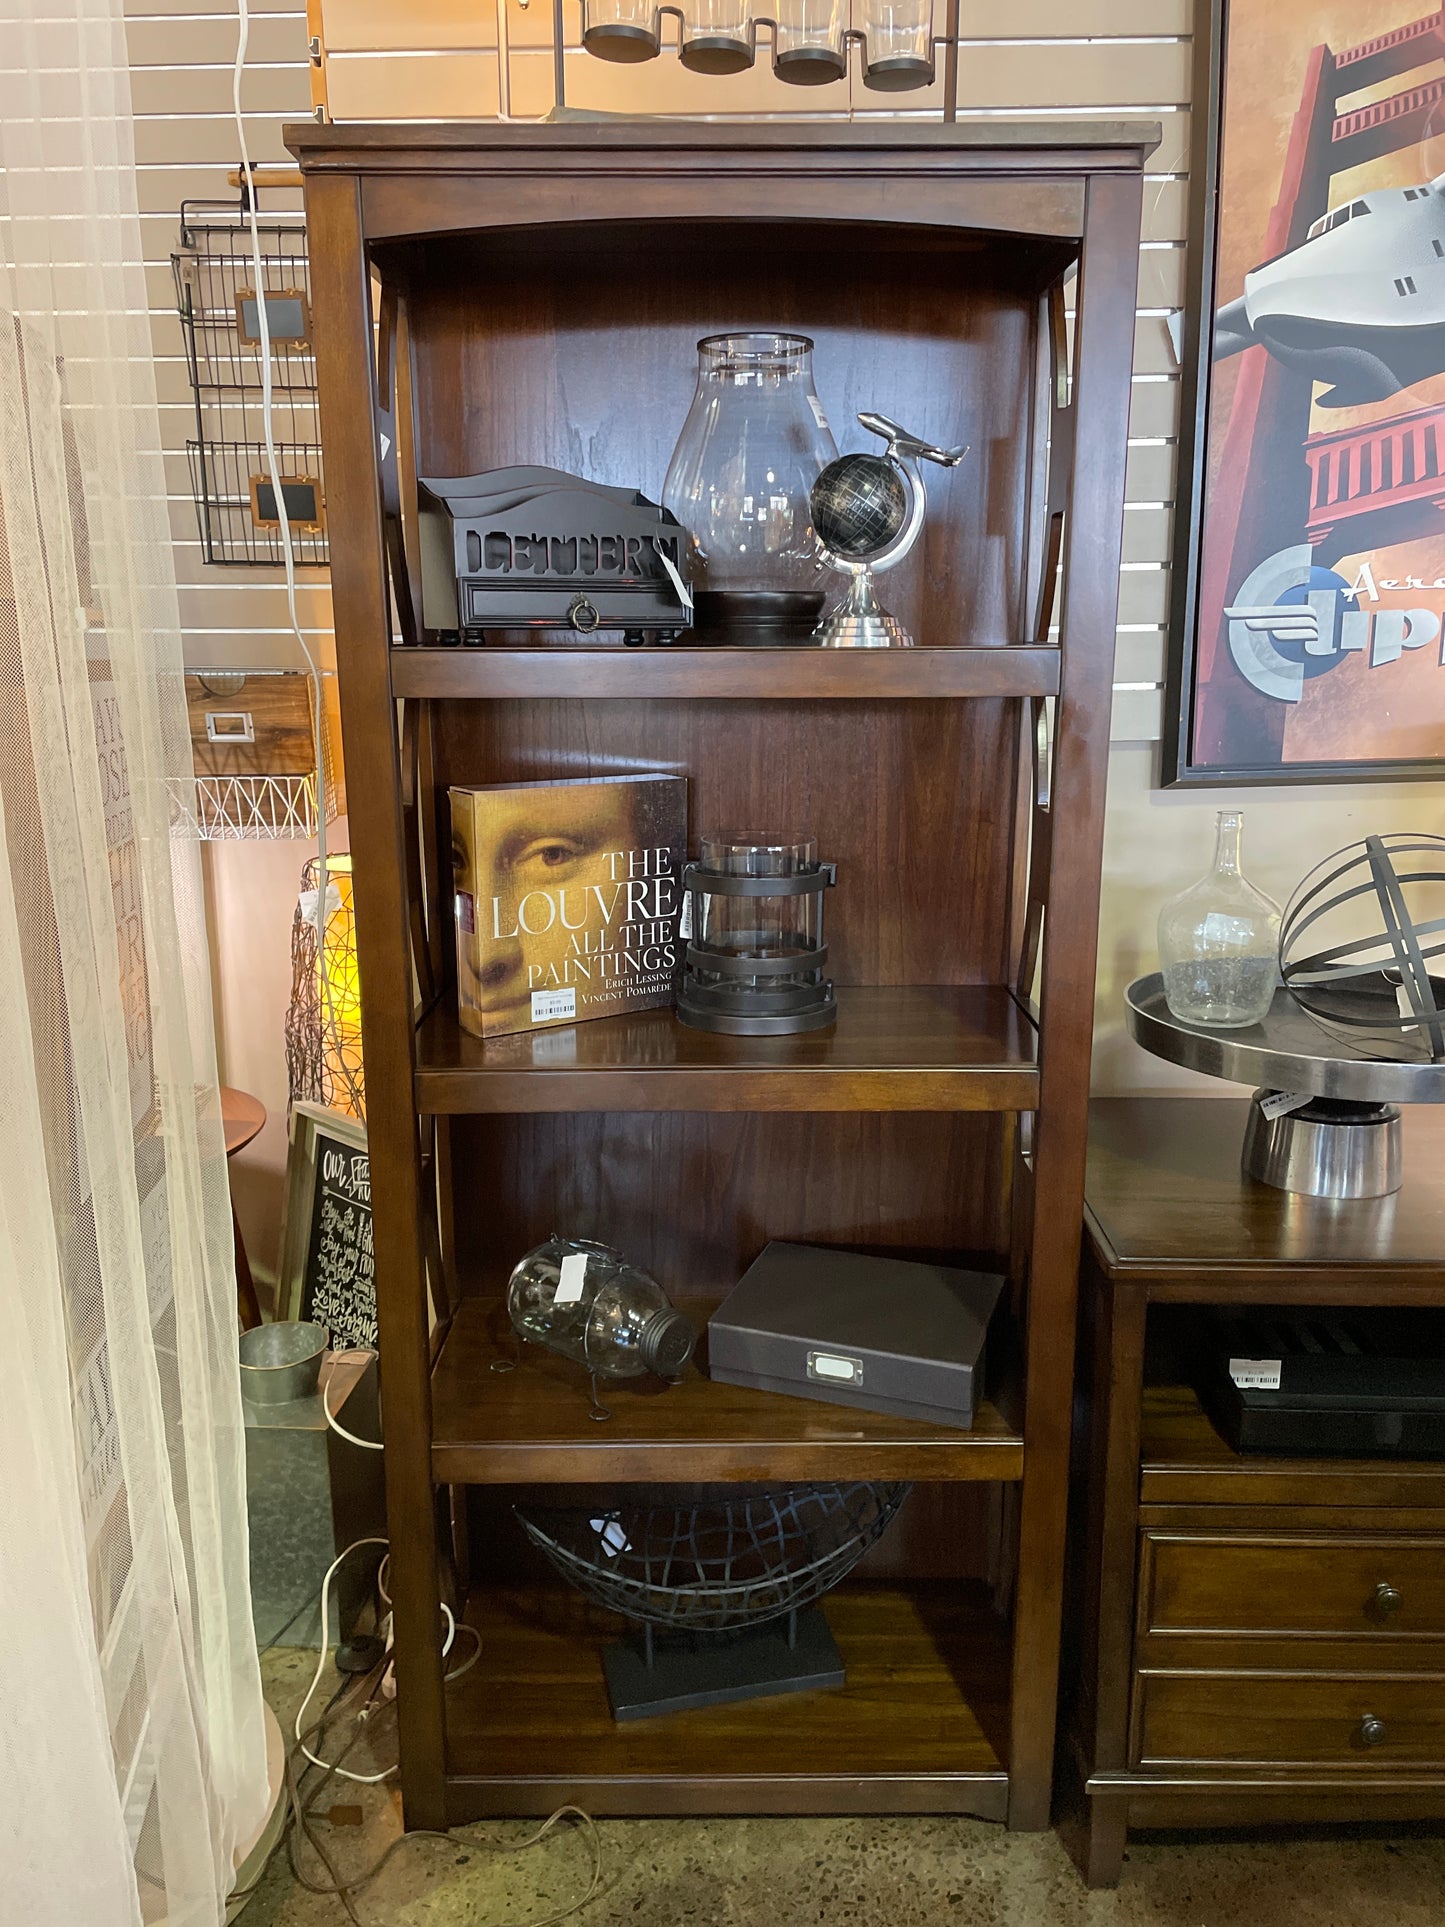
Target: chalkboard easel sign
328 1272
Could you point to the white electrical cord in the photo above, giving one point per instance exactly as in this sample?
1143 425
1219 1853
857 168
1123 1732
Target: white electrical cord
367 1445
363 1779
369 1779
273 466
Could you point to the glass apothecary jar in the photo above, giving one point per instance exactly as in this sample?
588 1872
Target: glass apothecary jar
584 1300
1219 941
754 442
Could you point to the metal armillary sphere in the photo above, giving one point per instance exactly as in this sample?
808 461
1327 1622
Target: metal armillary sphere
720 1585
1375 990
718 1566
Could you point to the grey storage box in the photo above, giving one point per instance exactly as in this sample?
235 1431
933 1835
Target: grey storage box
880 1334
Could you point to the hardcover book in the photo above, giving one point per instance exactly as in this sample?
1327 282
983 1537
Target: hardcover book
568 899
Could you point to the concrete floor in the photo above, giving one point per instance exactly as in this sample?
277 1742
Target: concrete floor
846 1873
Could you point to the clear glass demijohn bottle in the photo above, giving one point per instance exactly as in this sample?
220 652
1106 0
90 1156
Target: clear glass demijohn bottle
1219 942
584 1300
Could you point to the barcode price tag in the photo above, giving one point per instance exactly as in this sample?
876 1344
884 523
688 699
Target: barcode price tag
1281 1103
549 1005
1256 1374
573 1278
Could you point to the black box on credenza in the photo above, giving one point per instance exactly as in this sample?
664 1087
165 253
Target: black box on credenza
1357 1384
881 1334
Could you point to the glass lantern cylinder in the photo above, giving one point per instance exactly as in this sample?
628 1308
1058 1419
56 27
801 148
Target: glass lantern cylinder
584 1300
716 36
622 30
899 44
1219 941
754 442
756 952
810 47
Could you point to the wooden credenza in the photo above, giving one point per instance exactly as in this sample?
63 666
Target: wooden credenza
1260 1639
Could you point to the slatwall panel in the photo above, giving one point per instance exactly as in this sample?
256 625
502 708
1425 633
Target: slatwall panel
181 52
436 59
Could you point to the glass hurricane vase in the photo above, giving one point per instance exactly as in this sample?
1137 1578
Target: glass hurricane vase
1219 941
754 442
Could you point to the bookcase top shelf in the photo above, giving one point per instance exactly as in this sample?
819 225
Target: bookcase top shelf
1019 670
1020 178
320 144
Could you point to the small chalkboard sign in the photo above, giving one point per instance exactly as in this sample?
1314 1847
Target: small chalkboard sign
328 1272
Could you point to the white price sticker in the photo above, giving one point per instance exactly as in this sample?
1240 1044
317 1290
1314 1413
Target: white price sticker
307 901
1281 1103
818 416
549 1005
1256 1374
574 1276
612 1534
684 922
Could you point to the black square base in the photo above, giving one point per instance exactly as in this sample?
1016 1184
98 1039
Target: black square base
688 1671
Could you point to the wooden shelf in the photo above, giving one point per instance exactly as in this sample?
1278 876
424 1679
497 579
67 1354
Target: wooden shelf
531 1425
896 1047
1184 1461
919 1726
752 674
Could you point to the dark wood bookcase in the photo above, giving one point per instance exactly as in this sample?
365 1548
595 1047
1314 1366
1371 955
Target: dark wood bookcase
490 294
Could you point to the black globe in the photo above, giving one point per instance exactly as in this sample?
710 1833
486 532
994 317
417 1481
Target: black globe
859 506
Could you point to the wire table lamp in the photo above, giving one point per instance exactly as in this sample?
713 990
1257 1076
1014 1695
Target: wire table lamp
323 1019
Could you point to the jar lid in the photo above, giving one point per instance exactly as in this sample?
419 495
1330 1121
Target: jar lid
666 1343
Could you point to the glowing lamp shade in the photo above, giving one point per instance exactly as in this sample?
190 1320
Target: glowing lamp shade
323 1023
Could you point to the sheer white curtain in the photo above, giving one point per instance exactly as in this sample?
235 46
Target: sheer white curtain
132 1752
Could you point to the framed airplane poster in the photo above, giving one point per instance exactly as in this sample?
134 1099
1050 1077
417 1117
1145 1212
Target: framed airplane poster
1309 565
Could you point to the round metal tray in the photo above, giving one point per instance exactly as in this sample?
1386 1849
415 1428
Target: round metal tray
1287 1052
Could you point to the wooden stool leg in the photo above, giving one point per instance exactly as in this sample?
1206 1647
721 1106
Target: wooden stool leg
248 1306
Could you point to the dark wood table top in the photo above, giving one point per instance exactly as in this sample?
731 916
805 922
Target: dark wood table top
1165 1195
241 1117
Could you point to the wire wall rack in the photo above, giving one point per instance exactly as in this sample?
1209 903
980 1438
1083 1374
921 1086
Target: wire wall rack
219 305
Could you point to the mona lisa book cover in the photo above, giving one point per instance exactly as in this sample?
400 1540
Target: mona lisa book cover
568 899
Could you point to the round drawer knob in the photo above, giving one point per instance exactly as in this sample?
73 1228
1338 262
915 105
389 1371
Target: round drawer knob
1372 1731
1386 1599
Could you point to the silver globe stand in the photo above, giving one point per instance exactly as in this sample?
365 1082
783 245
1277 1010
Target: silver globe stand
860 621
1344 1141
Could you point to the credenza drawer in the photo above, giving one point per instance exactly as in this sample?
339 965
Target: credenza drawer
1259 1719
1380 1584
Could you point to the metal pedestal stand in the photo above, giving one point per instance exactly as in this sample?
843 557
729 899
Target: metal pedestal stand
674 1672
1341 1136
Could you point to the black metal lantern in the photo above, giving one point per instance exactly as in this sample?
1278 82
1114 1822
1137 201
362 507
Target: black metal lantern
754 920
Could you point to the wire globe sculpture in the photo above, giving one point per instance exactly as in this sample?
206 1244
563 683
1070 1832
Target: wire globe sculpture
1357 942
717 1566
